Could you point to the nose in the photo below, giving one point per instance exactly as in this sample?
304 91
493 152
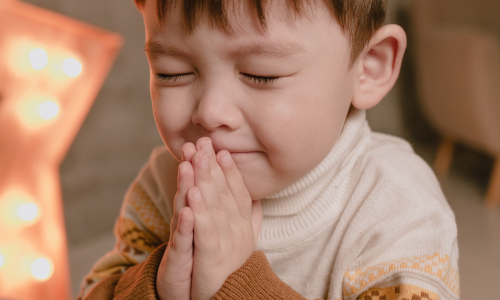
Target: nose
217 108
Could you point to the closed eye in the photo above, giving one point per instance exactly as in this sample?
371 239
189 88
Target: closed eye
255 79
261 79
173 78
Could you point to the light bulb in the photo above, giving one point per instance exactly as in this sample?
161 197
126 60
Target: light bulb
72 67
1 260
48 110
38 58
28 211
42 269
18 209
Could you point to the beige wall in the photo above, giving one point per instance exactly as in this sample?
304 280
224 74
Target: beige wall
119 132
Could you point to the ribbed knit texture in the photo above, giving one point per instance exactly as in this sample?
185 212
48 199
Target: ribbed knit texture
139 282
255 280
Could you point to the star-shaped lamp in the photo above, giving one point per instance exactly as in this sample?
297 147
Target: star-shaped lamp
51 69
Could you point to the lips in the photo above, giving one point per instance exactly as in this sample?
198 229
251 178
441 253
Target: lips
218 148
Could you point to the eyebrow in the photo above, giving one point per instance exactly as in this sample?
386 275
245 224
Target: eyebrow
281 50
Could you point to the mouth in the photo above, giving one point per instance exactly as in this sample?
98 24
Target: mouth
231 150
242 157
242 152
239 153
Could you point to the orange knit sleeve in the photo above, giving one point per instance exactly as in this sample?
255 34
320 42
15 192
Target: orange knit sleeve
138 282
256 280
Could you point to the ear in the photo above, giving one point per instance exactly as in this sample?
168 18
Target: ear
378 66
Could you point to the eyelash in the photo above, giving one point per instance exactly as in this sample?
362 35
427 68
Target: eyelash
165 77
256 79
259 79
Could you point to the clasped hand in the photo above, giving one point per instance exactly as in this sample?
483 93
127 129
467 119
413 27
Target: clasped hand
215 225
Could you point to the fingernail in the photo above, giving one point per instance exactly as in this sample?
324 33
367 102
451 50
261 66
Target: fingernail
196 194
207 146
204 161
225 159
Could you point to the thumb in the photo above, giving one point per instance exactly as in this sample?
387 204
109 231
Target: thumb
256 218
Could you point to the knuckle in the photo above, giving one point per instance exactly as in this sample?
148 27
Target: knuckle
241 194
210 233
218 208
219 261
226 192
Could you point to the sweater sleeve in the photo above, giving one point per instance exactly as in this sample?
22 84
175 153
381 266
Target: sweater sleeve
139 231
423 264
256 280
402 241
138 282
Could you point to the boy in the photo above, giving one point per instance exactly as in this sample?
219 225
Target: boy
283 192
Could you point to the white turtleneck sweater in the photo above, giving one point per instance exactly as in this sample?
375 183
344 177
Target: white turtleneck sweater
369 222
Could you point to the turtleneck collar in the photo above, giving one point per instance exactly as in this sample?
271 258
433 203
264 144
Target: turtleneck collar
303 203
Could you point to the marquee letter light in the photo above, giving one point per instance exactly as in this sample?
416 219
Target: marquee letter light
51 69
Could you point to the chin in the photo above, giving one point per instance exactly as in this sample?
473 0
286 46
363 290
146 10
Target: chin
256 196
261 193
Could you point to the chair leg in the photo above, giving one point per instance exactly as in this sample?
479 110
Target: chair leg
493 193
444 157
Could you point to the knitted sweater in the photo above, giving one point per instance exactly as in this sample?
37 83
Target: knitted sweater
369 222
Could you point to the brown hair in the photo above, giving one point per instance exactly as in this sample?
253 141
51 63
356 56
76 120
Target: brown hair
359 19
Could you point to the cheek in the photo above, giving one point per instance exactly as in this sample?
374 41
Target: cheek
172 108
302 130
285 132
172 112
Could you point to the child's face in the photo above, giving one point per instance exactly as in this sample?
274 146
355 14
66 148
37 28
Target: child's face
276 132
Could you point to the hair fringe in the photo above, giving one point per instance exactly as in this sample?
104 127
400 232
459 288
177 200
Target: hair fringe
358 19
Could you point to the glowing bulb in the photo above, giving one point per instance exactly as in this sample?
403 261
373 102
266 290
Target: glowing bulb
72 67
28 211
42 269
18 210
38 58
48 110
1 260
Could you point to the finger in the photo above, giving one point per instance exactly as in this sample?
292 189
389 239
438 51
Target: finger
210 193
235 183
187 151
206 145
176 266
183 237
185 180
256 219
205 234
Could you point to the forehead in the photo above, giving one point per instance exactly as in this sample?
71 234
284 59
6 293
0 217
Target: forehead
241 17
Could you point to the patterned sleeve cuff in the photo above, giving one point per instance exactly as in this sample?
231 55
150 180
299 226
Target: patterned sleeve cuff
255 280
139 282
